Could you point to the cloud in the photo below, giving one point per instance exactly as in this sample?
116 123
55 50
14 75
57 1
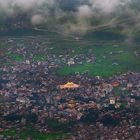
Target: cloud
81 14
84 11
37 19
24 5
106 5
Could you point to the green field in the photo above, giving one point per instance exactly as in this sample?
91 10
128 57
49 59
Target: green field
39 57
31 132
110 60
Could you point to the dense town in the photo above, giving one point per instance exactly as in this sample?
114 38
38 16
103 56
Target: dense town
32 93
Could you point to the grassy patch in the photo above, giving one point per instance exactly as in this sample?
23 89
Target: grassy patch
29 131
117 60
93 69
15 57
39 57
2 46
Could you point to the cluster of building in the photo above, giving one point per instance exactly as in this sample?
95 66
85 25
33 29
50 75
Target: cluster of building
124 131
31 52
30 92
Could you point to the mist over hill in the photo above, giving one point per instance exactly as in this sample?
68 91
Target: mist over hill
71 15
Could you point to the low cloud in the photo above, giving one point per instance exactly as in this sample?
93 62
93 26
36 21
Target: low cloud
37 19
81 14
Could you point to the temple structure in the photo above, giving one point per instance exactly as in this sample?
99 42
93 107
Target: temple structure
69 85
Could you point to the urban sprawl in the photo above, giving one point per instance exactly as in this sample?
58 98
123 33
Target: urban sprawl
95 108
